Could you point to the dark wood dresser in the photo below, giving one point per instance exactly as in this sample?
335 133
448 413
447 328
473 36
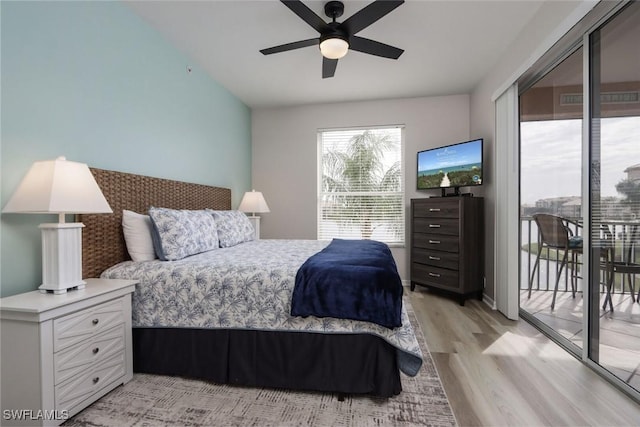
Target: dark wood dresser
447 245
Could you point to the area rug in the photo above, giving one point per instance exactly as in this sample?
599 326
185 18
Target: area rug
154 400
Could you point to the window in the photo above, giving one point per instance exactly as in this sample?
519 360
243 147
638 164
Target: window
361 185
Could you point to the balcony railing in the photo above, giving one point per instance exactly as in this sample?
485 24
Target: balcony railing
544 280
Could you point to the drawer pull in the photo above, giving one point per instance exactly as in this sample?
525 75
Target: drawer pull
434 209
96 379
434 274
95 321
434 242
435 258
96 350
434 225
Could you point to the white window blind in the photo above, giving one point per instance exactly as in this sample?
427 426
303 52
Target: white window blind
361 185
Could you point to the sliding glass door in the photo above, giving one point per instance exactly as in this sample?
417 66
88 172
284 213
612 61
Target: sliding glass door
615 195
580 195
550 190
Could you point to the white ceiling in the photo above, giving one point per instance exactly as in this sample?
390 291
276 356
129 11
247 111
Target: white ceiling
449 47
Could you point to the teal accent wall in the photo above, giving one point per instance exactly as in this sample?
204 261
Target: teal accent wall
93 82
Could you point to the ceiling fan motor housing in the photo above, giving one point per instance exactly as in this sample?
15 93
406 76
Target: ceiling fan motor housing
334 32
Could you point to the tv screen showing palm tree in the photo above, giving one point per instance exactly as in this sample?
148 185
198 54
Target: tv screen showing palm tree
456 165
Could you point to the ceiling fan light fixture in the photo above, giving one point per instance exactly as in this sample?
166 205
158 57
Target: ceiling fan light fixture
334 47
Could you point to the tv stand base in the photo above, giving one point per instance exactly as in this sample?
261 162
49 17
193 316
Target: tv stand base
456 193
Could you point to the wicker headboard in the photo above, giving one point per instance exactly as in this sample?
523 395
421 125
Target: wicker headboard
102 239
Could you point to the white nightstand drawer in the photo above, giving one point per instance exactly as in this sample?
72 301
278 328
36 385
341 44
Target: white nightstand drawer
80 326
76 359
70 393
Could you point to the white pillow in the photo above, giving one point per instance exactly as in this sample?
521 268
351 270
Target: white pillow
137 235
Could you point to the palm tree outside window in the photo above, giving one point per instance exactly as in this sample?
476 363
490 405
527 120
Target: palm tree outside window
361 188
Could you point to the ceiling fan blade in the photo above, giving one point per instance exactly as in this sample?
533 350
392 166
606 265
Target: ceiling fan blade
290 46
373 47
328 67
369 14
306 14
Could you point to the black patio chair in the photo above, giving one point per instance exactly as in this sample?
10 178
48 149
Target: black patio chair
624 264
554 233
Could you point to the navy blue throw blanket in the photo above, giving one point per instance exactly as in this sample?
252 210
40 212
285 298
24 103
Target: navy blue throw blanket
350 279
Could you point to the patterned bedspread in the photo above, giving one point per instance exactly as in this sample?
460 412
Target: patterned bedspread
247 286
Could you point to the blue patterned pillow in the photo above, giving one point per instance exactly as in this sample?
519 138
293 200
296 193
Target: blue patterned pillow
233 228
180 233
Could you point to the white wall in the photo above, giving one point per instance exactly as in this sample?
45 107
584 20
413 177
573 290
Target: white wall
284 139
284 154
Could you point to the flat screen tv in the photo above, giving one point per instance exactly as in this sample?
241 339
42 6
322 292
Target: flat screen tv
452 166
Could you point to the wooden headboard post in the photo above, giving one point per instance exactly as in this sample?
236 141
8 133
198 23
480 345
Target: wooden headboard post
102 239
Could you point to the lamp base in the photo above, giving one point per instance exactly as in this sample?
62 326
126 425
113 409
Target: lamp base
45 290
61 257
255 221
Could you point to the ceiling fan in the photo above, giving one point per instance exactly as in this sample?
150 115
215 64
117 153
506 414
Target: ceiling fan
336 38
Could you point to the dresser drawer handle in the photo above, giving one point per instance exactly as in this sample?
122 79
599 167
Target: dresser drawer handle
435 258
95 321
96 379
434 225
434 242
96 350
434 275
434 209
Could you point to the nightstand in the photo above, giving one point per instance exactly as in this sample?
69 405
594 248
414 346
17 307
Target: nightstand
60 353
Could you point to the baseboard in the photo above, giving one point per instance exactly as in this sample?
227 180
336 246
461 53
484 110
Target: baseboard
489 301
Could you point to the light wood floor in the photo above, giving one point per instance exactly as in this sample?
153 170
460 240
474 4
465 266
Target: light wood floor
499 372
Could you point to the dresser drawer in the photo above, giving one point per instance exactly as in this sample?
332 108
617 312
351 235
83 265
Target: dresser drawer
440 208
447 244
78 358
80 326
450 226
433 276
436 242
80 387
448 260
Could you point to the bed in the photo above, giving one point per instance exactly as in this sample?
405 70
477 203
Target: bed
230 321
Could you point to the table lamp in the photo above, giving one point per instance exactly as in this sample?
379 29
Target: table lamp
62 187
253 201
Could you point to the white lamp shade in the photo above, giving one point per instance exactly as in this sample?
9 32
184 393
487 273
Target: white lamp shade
58 186
253 201
334 48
